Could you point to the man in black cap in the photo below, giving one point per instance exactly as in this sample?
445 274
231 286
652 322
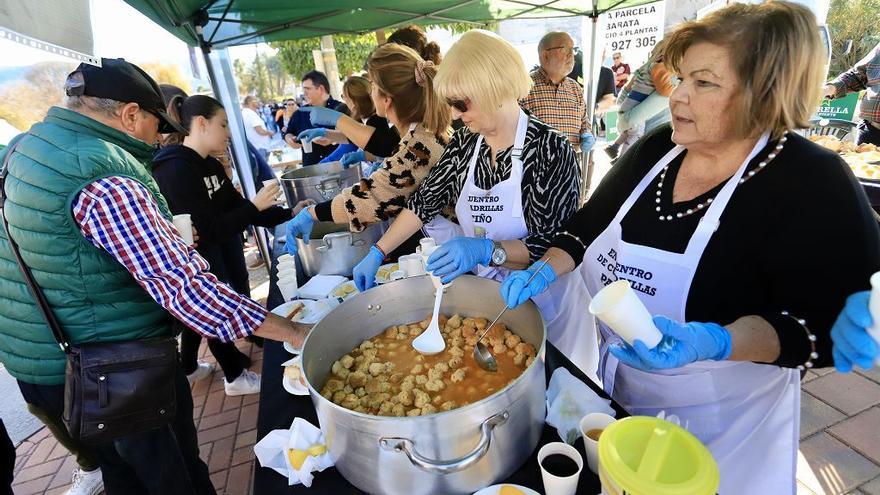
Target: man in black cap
97 234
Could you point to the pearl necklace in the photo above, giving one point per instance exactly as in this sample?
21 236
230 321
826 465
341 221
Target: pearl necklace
705 204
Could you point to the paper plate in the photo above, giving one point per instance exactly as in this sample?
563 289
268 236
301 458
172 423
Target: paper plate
383 274
495 489
344 290
312 312
294 388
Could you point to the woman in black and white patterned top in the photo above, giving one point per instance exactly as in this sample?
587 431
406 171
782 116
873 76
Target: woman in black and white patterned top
511 179
549 181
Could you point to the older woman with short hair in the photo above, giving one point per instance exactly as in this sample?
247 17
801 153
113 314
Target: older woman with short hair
511 179
742 237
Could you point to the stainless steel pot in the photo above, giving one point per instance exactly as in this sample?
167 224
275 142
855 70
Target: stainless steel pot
320 182
334 250
454 452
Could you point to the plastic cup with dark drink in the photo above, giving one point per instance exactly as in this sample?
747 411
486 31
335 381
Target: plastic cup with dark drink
561 466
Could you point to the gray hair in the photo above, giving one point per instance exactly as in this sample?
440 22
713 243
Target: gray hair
548 38
101 106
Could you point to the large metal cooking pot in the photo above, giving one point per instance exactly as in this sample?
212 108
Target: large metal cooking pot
454 452
334 250
320 182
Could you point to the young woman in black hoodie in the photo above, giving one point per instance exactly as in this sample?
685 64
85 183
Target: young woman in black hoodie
195 182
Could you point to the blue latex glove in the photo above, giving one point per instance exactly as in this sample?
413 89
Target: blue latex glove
322 115
375 166
852 344
349 159
682 343
587 142
514 290
364 273
299 226
458 256
311 134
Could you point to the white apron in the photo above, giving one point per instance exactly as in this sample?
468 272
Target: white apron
747 414
498 214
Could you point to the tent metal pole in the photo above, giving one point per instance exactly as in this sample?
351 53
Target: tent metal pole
590 89
222 80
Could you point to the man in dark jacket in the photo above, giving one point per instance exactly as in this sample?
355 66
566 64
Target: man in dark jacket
316 88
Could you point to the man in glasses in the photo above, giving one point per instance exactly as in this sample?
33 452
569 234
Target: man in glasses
555 98
621 71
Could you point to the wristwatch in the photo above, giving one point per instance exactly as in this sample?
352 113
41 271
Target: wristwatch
499 255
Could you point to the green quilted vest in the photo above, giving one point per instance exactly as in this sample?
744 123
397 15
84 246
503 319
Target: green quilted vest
94 297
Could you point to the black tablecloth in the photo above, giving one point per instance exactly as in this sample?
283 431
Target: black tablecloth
278 409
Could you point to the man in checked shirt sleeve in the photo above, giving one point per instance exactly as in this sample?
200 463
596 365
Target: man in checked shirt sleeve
97 234
865 75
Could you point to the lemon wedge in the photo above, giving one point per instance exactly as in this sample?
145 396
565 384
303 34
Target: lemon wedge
297 457
317 449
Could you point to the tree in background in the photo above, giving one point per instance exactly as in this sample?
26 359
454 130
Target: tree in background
165 73
264 77
26 102
352 51
856 20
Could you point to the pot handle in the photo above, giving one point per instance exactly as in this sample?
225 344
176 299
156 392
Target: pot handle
406 446
329 240
329 188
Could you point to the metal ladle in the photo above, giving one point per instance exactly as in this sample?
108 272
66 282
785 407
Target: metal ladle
482 356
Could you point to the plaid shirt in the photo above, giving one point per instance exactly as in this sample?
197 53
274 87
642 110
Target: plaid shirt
560 105
864 75
119 215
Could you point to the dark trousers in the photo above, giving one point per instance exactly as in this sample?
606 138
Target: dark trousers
157 462
227 355
227 263
868 133
86 458
7 461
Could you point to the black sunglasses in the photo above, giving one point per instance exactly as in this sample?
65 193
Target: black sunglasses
460 105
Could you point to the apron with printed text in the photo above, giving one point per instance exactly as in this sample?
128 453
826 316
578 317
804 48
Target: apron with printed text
497 214
746 413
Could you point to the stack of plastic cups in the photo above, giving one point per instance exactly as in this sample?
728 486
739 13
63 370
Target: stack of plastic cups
874 308
287 277
643 455
618 306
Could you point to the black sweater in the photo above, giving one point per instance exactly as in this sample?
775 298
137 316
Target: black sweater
799 237
199 186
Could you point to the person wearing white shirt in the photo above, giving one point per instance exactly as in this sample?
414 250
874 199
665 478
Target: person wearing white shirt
254 127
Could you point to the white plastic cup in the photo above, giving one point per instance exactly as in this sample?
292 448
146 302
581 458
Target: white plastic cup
285 258
427 243
397 275
556 485
269 182
289 289
593 421
411 264
183 224
618 306
874 308
307 146
287 273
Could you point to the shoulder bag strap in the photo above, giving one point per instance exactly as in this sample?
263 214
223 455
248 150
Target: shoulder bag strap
35 290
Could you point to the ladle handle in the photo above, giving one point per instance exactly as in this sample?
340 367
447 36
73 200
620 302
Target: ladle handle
407 446
503 310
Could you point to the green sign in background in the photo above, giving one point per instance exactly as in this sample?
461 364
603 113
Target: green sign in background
839 108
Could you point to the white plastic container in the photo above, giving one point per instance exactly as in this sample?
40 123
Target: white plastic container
874 308
307 146
183 224
618 306
593 421
556 485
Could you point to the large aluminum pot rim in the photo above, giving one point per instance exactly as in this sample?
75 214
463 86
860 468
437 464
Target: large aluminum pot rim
474 405
316 170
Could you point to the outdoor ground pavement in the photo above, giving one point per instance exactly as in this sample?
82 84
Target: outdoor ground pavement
839 449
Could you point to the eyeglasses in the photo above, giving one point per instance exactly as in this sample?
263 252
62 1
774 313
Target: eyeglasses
564 49
460 105
291 104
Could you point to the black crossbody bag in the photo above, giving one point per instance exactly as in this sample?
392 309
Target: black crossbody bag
111 389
